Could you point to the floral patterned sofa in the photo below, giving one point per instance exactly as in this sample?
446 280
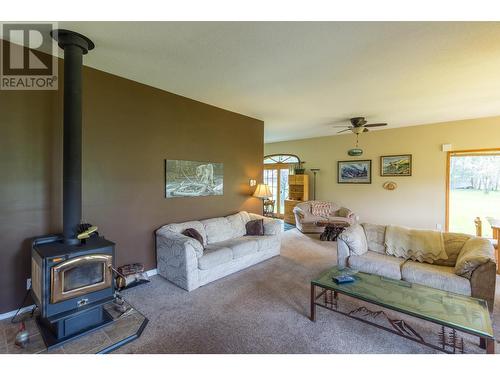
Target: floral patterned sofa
308 214
226 248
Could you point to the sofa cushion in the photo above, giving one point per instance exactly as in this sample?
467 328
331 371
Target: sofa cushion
181 227
453 243
475 252
255 227
237 223
375 237
334 219
245 216
354 237
214 255
265 243
321 208
218 229
438 277
378 264
272 227
242 246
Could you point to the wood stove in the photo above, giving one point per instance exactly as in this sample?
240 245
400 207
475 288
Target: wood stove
70 285
72 278
79 276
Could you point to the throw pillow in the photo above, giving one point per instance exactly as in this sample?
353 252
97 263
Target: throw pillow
453 243
320 208
255 227
475 252
343 212
193 233
375 236
354 237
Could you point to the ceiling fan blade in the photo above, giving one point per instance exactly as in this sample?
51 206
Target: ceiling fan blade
340 126
365 130
345 130
374 125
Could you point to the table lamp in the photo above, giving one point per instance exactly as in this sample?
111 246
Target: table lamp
263 192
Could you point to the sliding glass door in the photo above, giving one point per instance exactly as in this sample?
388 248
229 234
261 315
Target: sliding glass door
276 177
276 170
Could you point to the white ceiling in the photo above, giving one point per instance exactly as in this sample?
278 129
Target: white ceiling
300 77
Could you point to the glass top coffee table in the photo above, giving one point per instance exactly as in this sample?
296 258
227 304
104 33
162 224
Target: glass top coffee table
452 312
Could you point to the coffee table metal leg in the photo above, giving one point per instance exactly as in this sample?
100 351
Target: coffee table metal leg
313 304
490 346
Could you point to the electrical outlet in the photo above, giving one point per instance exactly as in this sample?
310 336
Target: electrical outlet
28 284
439 227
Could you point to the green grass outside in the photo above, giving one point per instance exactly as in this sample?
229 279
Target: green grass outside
465 205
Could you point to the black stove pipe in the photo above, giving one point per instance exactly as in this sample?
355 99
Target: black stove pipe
75 46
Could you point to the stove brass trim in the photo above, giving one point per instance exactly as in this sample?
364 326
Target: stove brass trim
57 277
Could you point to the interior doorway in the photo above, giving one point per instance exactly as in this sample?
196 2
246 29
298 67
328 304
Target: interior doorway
277 168
473 190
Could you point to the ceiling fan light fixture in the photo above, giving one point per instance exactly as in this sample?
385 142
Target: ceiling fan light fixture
359 125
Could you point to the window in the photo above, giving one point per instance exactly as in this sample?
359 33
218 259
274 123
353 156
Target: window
281 158
473 191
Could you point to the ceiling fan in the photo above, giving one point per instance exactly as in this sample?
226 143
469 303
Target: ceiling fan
358 125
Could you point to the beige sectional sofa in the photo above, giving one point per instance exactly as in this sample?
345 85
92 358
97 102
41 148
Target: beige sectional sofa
466 265
226 248
306 218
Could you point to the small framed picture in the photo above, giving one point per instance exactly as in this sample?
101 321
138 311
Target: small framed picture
395 165
354 172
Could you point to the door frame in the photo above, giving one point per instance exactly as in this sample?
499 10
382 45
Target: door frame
278 166
449 154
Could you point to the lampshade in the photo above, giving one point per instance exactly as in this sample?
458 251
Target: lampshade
262 191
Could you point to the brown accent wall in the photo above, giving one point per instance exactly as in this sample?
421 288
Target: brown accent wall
129 129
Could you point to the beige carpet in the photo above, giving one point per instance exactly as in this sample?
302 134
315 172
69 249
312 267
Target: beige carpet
263 309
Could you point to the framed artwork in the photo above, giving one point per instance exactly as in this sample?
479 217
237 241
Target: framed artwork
354 172
395 165
186 178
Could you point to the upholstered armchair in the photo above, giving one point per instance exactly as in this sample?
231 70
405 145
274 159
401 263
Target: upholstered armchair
308 214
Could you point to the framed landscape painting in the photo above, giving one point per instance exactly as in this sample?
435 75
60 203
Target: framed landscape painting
187 178
395 165
354 172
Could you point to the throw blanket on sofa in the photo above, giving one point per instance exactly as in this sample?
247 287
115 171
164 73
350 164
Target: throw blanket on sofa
420 245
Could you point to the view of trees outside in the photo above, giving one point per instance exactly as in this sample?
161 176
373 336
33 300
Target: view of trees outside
474 191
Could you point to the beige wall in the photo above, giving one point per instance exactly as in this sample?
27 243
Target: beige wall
419 200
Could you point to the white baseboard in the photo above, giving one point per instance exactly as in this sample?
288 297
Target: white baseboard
152 272
10 314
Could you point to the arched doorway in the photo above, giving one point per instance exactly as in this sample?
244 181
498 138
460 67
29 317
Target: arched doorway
277 168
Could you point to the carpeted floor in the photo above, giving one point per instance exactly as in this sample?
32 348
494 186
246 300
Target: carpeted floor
263 309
